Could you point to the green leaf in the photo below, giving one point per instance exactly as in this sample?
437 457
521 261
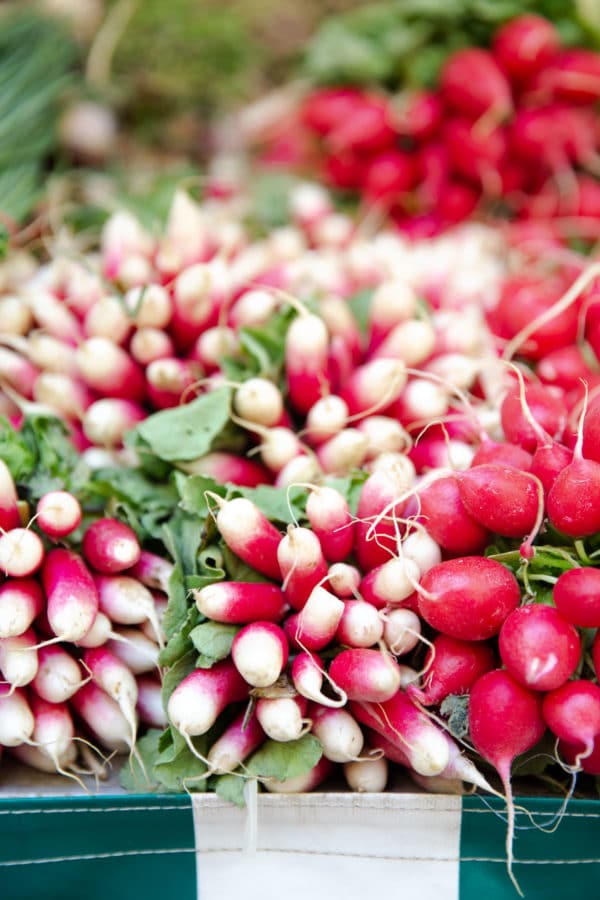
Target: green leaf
130 494
192 489
133 777
4 242
213 642
181 772
277 504
187 432
180 641
350 487
360 305
270 199
238 570
176 674
263 346
230 788
281 761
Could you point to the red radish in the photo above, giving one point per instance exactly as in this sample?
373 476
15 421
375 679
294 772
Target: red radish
575 756
446 519
468 597
308 675
339 733
325 419
259 401
365 675
103 717
388 175
259 652
419 547
564 368
239 603
572 713
149 306
539 648
392 302
341 323
548 462
524 45
127 602
18 372
324 108
55 318
237 742
302 564
282 718
302 783
375 533
201 697
278 446
343 580
575 76
18 659
196 301
113 676
524 299
390 583
98 634
505 500
345 451
421 743
591 431
213 345
108 369
385 435
168 380
472 84
72 597
368 127
21 552
576 596
149 344
360 625
9 511
52 737
149 704
228 468
301 469
420 115
505 720
16 719
432 453
474 155
252 308
152 570
374 386
545 406
58 513
249 534
58 676
316 624
452 667
330 519
402 631
571 510
368 776
135 649
106 421
110 546
306 346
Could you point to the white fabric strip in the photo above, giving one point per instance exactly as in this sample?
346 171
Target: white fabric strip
326 846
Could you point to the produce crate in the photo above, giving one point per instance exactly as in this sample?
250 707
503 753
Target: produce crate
320 845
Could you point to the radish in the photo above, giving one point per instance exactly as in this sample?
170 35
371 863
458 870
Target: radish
18 372
316 623
524 45
547 409
252 308
306 346
259 401
575 76
259 652
228 468
99 633
110 546
402 631
419 547
19 659
368 776
241 738
137 651
308 675
385 435
571 510
329 516
278 446
58 675
118 682
339 733
9 511
150 344
16 719
16 316
505 720
374 385
421 743
149 306
53 734
345 451
325 419
572 712
365 675
390 583
468 597
63 393
302 564
539 648
169 381
127 602
282 718
375 532
452 667
108 369
360 625
392 302
21 552
447 520
106 421
343 580
152 570
103 716
301 469
301 783
107 318
249 534
472 84
575 756
58 513
388 175
72 597
149 703
505 500
239 603
576 596
201 697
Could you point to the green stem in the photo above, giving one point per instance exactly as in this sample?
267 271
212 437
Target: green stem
582 553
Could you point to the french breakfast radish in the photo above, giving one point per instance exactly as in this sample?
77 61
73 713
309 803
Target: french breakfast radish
259 652
72 596
58 513
302 564
201 697
249 534
238 602
365 675
110 546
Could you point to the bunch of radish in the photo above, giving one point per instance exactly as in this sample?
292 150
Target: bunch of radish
510 130
80 635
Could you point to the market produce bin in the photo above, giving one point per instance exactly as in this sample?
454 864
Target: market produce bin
321 845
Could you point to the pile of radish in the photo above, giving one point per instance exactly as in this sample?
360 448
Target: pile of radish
381 461
511 131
